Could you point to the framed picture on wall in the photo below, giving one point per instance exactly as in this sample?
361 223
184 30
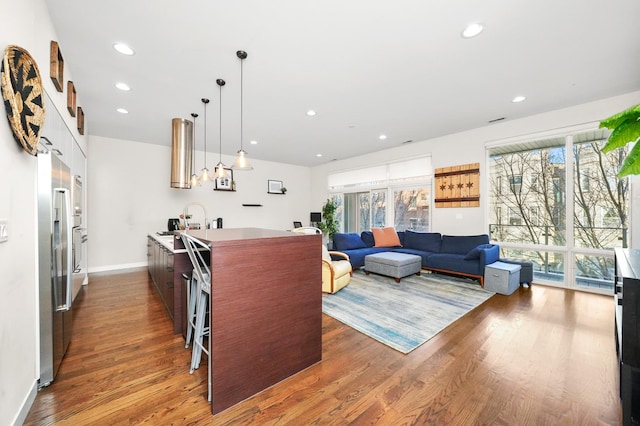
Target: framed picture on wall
225 183
274 187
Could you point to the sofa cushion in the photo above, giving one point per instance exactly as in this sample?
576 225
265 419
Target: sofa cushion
458 244
425 241
385 237
454 263
474 253
349 241
367 237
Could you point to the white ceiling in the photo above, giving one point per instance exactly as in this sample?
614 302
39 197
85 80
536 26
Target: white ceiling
368 67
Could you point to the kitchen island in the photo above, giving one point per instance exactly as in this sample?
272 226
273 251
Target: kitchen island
266 309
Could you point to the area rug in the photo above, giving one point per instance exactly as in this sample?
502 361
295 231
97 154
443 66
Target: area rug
403 315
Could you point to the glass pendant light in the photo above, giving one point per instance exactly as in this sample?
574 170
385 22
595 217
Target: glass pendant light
220 167
204 176
194 176
242 163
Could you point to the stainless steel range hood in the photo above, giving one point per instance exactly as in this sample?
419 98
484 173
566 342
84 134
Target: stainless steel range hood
181 153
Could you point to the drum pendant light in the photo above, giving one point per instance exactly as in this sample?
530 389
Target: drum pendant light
194 176
204 176
220 167
242 163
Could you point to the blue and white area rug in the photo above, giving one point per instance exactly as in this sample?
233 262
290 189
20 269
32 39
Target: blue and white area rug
403 315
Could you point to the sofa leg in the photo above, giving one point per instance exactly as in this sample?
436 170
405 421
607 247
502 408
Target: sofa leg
397 280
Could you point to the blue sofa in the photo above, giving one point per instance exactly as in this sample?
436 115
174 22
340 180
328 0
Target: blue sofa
455 254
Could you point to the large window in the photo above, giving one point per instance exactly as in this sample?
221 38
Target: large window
362 195
569 243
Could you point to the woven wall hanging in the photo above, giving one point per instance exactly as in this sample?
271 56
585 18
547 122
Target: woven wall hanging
22 94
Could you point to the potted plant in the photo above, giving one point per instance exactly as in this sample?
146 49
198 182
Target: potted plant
329 224
626 129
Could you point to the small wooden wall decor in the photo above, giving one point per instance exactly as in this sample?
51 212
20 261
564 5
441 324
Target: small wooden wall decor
458 186
71 98
80 119
57 66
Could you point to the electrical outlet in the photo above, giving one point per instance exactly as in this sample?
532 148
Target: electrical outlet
4 230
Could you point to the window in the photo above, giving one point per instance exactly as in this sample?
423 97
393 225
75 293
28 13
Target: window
516 183
545 199
365 193
411 209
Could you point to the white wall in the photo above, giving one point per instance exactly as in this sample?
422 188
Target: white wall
469 147
129 196
24 23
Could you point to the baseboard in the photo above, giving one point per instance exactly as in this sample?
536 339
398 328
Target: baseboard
117 267
26 406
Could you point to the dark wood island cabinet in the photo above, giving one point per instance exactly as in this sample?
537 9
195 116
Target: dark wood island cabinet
266 309
167 260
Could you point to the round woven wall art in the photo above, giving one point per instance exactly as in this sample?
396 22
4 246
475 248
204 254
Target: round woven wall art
22 94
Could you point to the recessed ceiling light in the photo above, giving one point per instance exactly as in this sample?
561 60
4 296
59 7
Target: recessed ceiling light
311 113
122 111
254 142
382 137
518 99
472 30
123 86
123 48
318 155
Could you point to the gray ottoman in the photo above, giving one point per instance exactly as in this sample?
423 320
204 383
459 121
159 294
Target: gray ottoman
526 271
391 264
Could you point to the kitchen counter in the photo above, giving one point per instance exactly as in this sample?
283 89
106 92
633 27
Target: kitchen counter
167 241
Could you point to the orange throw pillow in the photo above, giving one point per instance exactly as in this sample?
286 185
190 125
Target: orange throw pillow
385 237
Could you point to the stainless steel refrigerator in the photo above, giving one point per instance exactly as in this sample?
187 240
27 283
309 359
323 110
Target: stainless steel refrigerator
55 263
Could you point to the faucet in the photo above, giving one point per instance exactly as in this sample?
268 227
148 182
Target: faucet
185 214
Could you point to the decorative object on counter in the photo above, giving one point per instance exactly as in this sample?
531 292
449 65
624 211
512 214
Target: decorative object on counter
194 176
80 119
242 163
220 169
57 66
23 97
274 187
225 183
204 176
71 98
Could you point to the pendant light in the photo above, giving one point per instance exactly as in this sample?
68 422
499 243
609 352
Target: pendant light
242 163
204 176
194 176
220 167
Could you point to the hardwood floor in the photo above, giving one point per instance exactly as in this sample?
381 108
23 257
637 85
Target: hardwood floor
542 356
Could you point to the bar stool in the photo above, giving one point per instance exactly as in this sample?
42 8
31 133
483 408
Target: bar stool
198 302
191 286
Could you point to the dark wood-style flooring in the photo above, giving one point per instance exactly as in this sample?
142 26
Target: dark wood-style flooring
542 356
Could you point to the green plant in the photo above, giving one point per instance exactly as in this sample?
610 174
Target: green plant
626 129
329 224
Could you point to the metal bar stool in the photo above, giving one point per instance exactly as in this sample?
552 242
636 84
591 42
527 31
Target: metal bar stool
199 300
191 288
